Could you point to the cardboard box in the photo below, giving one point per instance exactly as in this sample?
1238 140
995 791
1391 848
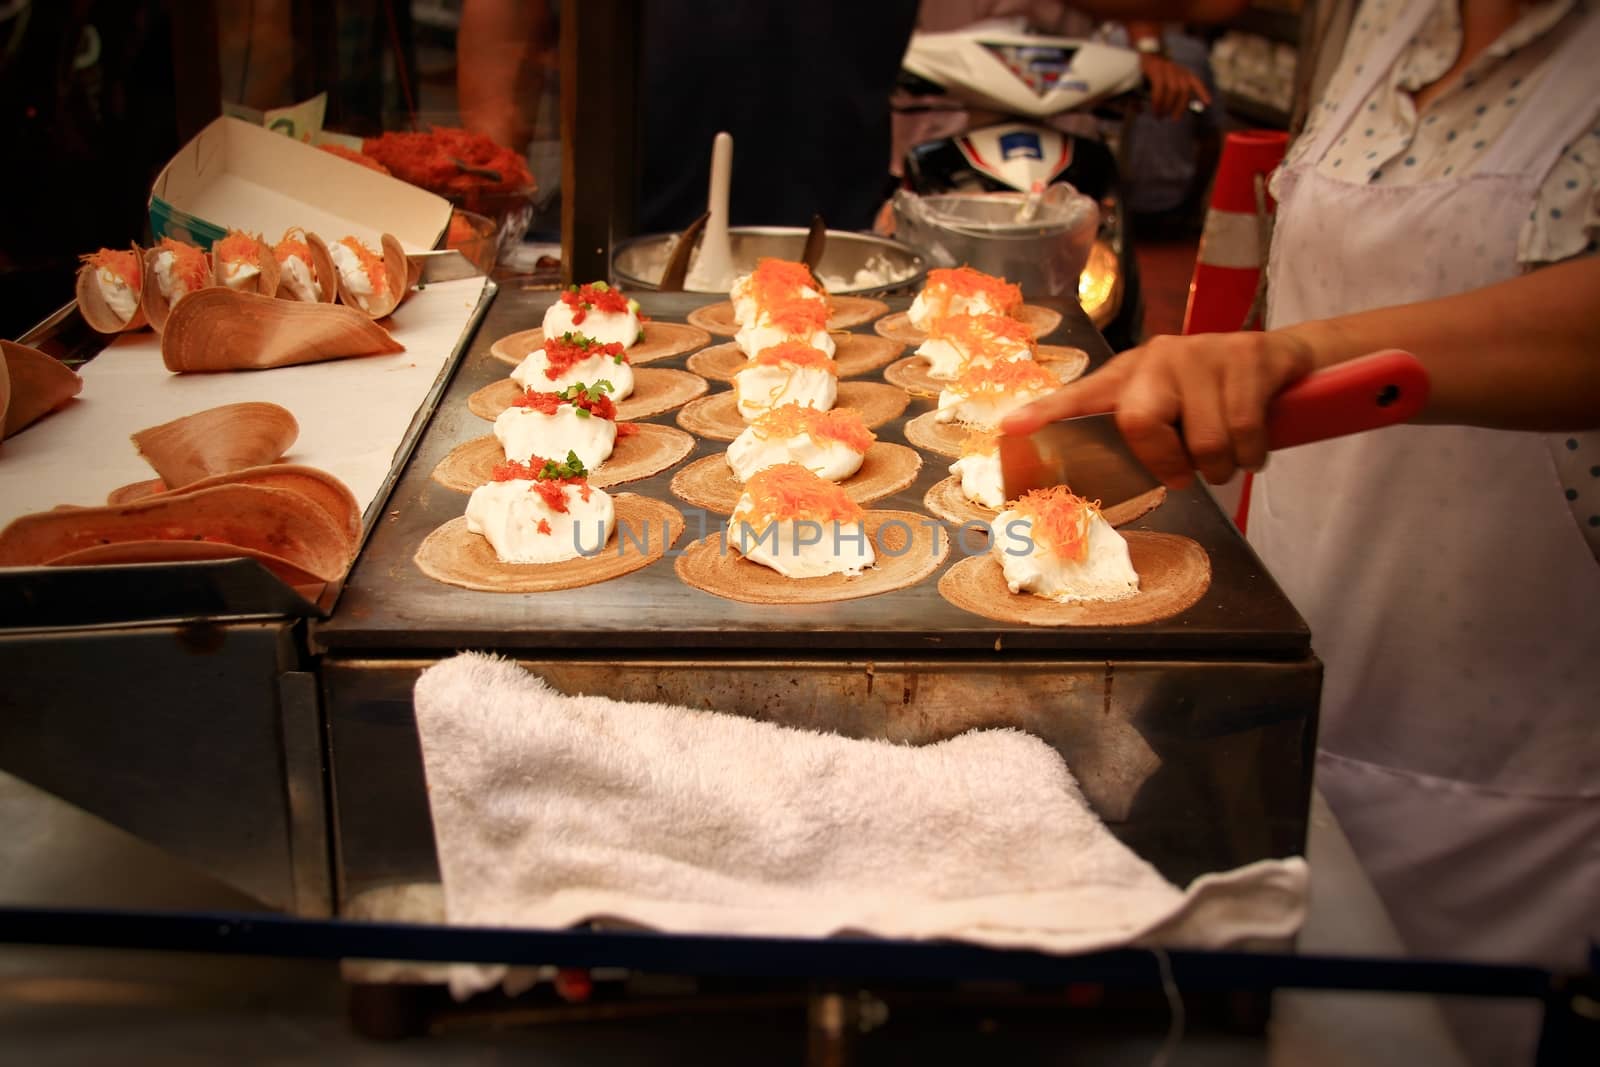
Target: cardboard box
237 175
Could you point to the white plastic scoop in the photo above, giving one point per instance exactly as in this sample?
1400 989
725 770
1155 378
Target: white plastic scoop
715 261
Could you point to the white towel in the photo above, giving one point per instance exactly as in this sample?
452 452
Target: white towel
550 810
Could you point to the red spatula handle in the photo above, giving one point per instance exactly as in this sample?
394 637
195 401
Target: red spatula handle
1375 390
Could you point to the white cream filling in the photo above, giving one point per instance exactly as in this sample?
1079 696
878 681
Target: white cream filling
352 273
947 359
530 374
525 433
607 327
831 460
800 548
118 294
168 283
984 411
754 340
980 479
935 302
1105 573
759 388
296 277
237 274
507 514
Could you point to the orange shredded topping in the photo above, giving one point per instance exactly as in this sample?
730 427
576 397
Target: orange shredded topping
964 281
1013 376
981 443
371 263
799 316
292 247
982 333
119 261
792 420
790 491
189 264
1060 520
354 157
794 353
776 281
239 247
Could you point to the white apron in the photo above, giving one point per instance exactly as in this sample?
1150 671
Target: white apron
1450 594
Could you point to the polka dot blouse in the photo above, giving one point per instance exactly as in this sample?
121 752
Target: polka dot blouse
1390 143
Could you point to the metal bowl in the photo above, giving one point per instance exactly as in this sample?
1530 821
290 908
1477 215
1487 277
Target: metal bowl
637 263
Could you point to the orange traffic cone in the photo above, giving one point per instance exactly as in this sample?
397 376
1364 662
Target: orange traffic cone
1227 270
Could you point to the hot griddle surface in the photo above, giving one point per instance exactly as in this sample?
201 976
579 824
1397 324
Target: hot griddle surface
389 605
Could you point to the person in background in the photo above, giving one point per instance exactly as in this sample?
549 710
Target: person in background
1443 199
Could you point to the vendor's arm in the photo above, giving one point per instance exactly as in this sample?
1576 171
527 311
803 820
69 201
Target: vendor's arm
1523 354
499 72
1171 84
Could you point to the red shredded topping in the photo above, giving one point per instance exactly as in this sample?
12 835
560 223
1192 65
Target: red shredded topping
1060 520
626 429
553 491
189 264
239 247
776 281
371 263
550 403
965 281
124 263
795 353
543 527
844 425
561 355
581 299
353 156
790 491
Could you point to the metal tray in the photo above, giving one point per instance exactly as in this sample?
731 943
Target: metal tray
389 604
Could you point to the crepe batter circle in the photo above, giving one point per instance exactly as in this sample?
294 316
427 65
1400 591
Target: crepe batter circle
655 390
845 312
455 556
661 341
1174 573
909 546
911 373
886 468
717 416
857 354
1041 321
648 450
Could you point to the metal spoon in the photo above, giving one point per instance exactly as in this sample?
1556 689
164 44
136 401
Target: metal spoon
816 237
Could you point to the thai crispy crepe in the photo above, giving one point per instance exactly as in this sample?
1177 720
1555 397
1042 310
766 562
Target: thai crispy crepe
218 329
856 354
717 416
642 449
92 302
911 373
661 339
35 385
843 313
655 389
897 327
279 522
217 440
885 470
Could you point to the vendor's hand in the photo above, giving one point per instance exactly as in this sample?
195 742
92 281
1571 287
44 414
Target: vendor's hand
1171 86
1184 403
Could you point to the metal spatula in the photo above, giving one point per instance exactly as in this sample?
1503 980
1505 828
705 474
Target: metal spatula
1090 456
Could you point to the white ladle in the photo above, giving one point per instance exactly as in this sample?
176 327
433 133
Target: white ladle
715 262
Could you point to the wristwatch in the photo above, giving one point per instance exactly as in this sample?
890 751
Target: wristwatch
1150 46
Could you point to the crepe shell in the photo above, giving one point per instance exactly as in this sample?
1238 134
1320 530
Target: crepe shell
34 385
92 302
221 330
217 441
265 283
157 307
322 270
258 519
398 270
321 488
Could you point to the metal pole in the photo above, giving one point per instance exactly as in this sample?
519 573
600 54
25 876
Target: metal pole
599 132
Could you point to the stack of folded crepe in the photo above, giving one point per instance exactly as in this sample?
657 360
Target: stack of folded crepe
222 493
32 385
